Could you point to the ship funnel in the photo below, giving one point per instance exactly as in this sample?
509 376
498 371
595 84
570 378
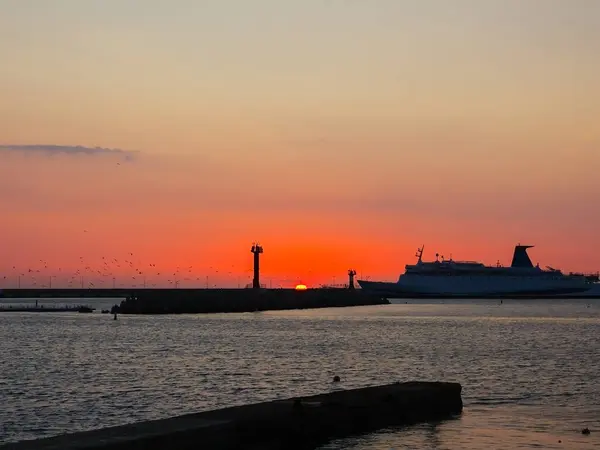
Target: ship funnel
520 257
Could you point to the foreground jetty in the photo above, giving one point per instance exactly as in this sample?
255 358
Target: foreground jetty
195 301
295 423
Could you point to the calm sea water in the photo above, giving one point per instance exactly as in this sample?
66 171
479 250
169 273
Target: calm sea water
529 370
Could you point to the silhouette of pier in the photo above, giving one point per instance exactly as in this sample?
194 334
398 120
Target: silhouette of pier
178 301
70 292
294 423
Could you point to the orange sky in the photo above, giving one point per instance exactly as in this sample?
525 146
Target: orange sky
339 134
185 213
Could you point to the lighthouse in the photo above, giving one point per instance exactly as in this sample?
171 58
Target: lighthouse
351 274
256 250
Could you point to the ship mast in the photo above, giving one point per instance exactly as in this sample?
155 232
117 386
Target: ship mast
419 254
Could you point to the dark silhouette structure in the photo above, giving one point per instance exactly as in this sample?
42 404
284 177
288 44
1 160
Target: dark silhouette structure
205 301
351 274
293 423
257 250
520 256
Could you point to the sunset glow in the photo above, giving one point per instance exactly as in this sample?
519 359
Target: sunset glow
340 134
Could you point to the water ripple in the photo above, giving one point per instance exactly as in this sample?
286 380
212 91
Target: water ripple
528 371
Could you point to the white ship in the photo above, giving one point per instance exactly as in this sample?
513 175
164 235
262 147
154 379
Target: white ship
449 278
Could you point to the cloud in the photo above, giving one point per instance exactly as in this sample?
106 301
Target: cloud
51 149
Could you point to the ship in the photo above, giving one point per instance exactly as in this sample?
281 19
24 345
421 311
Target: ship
446 278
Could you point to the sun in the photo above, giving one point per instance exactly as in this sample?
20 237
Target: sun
301 287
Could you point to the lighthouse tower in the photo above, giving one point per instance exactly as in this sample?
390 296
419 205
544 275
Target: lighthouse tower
351 274
257 250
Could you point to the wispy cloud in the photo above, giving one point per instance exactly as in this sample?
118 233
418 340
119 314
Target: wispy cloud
51 149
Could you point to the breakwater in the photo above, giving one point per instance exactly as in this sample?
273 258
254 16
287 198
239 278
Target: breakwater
195 301
294 423
46 309
66 293
178 301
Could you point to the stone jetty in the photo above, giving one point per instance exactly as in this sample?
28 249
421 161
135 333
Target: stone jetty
195 301
294 423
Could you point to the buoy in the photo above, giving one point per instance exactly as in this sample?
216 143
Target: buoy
336 379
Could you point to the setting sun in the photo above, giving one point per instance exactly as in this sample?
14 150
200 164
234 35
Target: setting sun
301 287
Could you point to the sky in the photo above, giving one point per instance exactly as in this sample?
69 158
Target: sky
337 133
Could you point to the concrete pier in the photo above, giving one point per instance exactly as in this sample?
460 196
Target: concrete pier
66 293
47 309
196 301
295 423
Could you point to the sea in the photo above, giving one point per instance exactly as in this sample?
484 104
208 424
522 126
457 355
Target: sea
529 369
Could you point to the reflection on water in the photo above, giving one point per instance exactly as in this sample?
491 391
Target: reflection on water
528 369
502 428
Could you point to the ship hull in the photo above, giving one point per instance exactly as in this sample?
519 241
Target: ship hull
473 287
592 292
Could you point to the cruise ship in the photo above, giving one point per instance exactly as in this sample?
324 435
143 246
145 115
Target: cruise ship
448 278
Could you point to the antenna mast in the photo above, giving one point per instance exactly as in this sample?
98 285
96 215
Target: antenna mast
419 253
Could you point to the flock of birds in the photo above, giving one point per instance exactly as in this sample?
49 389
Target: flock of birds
128 272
